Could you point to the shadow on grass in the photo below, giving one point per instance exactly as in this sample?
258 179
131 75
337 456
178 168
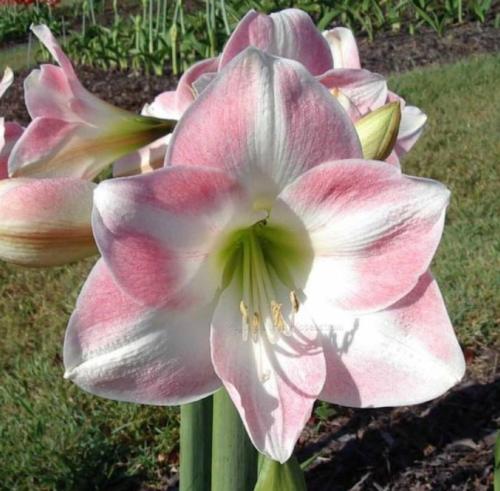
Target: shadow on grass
440 442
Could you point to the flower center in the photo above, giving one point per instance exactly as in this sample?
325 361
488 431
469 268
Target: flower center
261 260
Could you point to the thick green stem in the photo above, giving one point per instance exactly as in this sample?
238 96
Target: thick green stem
280 477
234 458
196 445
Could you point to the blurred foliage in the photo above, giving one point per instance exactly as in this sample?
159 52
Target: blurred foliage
149 35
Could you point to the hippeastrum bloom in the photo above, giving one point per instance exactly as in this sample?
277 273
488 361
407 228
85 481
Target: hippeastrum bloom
346 57
73 133
9 132
269 258
291 34
288 34
43 222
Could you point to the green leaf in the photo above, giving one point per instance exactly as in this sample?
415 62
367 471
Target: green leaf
280 477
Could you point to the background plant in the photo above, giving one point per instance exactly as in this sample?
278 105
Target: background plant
150 35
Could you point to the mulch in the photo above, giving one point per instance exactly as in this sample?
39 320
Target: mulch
442 445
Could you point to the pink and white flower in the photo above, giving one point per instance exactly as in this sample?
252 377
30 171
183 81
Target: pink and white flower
43 222
268 258
290 33
73 133
346 56
10 132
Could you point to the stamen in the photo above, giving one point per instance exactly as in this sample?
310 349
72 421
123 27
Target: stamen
256 322
294 301
261 313
245 323
277 316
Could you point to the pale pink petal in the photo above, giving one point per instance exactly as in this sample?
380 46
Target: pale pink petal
289 33
9 134
412 125
157 232
55 148
185 92
146 159
273 386
7 79
42 32
393 159
164 106
48 94
256 120
367 90
373 231
118 349
45 222
343 48
406 354
172 104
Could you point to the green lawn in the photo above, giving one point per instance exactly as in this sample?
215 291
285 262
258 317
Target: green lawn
53 436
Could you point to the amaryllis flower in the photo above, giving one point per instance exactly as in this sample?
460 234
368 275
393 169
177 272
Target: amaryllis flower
269 258
10 132
43 222
289 33
346 56
73 133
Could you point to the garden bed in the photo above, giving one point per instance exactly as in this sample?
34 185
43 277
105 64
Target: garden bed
388 53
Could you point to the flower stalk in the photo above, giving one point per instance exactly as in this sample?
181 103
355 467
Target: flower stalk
196 445
234 458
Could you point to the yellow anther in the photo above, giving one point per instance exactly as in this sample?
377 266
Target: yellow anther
255 323
294 301
277 316
335 91
244 311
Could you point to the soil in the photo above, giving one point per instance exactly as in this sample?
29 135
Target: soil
442 445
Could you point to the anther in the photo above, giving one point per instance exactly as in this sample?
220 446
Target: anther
244 311
255 325
277 316
294 301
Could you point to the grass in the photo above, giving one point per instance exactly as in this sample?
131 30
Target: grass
461 149
54 436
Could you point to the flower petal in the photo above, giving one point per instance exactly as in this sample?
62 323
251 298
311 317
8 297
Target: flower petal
118 349
146 159
273 386
9 134
412 125
406 354
7 79
256 119
172 104
289 33
373 230
367 90
157 232
45 222
343 47
56 148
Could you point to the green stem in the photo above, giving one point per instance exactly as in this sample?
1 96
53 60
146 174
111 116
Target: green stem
280 477
234 458
196 445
